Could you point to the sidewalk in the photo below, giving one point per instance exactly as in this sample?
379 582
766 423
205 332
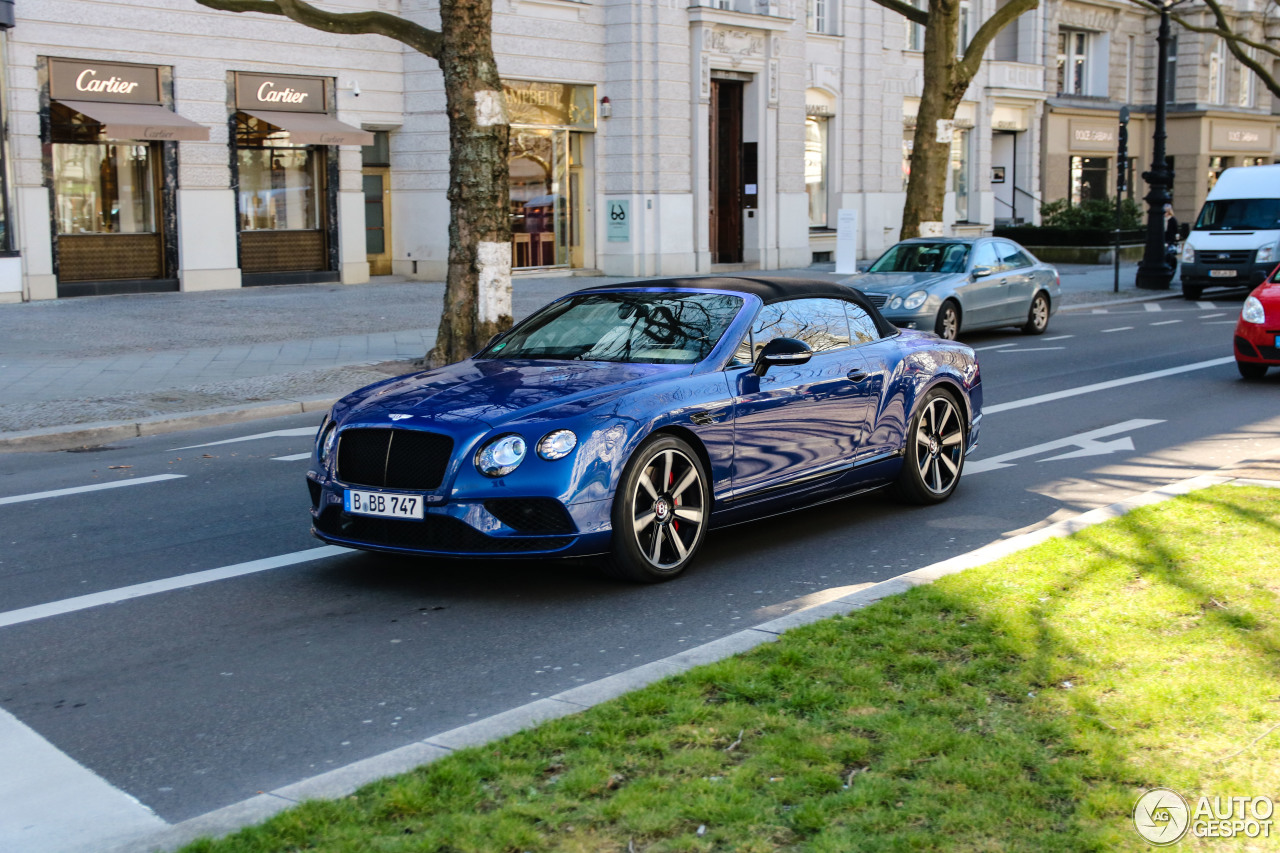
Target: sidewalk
77 372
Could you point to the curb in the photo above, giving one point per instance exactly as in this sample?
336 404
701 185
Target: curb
89 435
1129 301
345 780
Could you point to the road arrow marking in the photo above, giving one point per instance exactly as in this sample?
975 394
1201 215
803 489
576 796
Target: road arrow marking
1087 444
279 433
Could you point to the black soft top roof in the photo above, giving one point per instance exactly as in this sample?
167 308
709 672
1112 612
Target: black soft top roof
774 289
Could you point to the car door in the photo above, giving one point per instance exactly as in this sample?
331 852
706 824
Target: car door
983 291
1019 283
800 421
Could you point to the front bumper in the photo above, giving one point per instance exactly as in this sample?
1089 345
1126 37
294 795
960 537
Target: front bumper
502 527
1248 275
1257 343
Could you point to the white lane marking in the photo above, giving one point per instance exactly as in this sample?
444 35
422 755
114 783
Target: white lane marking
994 346
1221 323
1119 329
1208 306
1103 386
1153 307
49 801
1211 316
1034 349
1100 311
279 433
1057 338
294 458
124 593
1166 322
96 487
1087 444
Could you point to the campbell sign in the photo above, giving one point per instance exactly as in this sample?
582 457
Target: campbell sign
281 92
71 79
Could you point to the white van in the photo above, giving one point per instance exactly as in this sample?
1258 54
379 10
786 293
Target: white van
1235 241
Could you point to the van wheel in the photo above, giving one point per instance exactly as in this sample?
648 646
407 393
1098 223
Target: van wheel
1191 291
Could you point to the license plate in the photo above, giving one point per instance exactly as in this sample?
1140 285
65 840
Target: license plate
383 504
1222 273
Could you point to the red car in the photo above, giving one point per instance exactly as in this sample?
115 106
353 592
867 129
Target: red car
1258 329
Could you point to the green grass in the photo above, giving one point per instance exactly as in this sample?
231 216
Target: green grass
1023 705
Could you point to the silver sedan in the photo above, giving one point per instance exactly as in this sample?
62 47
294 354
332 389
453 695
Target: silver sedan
946 284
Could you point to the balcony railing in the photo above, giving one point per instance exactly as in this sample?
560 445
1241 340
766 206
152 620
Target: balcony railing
1015 75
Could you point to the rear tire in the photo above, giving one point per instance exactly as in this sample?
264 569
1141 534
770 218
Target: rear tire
947 325
1037 315
933 456
1251 372
660 512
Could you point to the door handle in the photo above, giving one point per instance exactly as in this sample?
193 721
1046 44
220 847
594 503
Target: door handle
856 375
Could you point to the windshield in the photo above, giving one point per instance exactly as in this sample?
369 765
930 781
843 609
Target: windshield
923 257
1240 214
653 328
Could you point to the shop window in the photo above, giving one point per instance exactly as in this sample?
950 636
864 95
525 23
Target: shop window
815 169
279 182
908 144
100 186
1088 178
538 165
1218 73
960 172
1217 165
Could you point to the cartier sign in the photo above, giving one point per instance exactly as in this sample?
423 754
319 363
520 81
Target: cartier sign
281 92
76 80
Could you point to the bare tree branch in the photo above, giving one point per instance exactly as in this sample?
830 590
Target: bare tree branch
986 33
906 10
402 30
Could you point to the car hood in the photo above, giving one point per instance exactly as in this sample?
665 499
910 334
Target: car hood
899 282
493 392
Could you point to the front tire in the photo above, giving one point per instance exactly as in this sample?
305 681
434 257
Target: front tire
947 325
1251 372
1037 315
933 456
1191 292
660 512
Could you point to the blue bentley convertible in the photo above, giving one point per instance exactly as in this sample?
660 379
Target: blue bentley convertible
626 420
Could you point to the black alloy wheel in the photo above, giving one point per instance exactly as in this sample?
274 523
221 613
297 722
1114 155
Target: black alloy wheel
948 323
934 451
1037 315
660 512
1191 291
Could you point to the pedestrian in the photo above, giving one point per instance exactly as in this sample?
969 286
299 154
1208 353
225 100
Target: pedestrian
1170 235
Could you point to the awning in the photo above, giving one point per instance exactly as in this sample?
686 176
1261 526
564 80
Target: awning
313 128
140 121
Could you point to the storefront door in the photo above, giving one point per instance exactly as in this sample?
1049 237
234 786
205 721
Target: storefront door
726 172
377 219
540 203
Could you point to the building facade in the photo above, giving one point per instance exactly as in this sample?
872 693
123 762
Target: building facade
158 145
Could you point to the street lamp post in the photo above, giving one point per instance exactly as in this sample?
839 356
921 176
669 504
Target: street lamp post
1154 271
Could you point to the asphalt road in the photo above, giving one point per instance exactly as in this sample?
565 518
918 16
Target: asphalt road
202 696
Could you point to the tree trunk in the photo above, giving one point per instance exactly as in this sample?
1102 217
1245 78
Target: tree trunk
930 159
477 296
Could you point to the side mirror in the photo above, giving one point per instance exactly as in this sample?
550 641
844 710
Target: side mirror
781 352
1184 230
864 267
982 272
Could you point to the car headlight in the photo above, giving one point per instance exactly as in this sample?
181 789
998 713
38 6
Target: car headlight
325 439
894 303
501 456
1252 312
1188 253
557 444
1266 253
915 300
